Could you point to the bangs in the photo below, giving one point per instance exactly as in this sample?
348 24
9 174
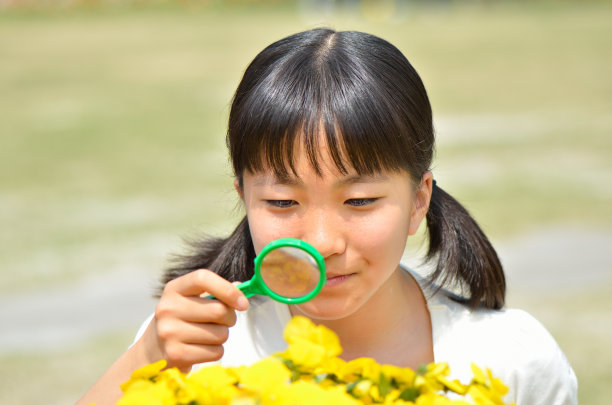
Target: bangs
319 96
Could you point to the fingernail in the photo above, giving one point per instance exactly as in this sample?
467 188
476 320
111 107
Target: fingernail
242 303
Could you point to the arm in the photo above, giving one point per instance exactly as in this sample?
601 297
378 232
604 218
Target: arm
186 330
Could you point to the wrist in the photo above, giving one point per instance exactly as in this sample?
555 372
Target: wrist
147 349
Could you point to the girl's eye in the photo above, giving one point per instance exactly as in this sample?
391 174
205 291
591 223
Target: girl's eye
360 202
281 203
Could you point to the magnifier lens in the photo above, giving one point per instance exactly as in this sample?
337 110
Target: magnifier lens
290 272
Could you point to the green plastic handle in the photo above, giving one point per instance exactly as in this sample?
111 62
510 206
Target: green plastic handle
249 288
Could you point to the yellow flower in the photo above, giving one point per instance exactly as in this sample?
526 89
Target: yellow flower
244 401
213 385
177 383
305 354
432 399
363 367
481 395
437 369
427 385
479 375
362 388
146 392
401 375
330 365
399 402
485 389
267 379
144 373
318 375
496 384
309 339
303 393
453 385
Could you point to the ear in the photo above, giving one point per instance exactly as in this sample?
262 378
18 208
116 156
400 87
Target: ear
422 197
238 188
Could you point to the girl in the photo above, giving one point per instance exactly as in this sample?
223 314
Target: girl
331 139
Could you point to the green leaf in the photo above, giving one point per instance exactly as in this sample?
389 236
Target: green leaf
350 387
409 394
295 375
422 370
384 385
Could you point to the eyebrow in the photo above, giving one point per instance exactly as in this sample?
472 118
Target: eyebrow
284 180
355 178
296 181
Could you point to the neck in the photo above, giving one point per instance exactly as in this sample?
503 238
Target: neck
405 325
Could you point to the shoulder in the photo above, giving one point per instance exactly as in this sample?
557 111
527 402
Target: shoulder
513 329
511 334
516 347
493 332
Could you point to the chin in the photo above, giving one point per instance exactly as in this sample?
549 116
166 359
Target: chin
325 309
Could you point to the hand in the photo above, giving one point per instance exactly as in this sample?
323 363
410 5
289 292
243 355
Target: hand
187 328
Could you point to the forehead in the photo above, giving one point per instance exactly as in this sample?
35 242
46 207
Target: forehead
326 160
267 178
323 150
320 146
304 169
318 154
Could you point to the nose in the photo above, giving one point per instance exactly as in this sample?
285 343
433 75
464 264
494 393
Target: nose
325 232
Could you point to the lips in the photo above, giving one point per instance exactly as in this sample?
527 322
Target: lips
335 279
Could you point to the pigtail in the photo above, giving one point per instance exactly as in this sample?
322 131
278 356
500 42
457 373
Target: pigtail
231 258
465 257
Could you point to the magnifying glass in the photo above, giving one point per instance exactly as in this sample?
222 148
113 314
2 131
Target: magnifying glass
288 270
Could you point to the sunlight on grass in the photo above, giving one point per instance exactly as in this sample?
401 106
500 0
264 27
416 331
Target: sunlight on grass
60 377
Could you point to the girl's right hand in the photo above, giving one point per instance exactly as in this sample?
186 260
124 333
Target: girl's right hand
187 328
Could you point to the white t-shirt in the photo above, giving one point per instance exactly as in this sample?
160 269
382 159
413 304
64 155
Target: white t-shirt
513 344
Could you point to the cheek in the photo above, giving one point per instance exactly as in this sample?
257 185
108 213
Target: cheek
265 228
259 232
382 238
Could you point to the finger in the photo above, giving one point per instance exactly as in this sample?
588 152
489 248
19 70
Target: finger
192 333
195 309
186 355
200 282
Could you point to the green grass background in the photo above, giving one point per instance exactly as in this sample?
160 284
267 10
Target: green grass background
112 143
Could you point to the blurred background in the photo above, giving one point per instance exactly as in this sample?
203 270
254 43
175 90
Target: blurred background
112 122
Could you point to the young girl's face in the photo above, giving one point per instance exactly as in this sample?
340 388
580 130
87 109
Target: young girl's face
358 223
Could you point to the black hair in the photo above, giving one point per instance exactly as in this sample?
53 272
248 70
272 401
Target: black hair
365 96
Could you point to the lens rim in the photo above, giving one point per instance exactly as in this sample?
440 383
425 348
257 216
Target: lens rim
295 243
